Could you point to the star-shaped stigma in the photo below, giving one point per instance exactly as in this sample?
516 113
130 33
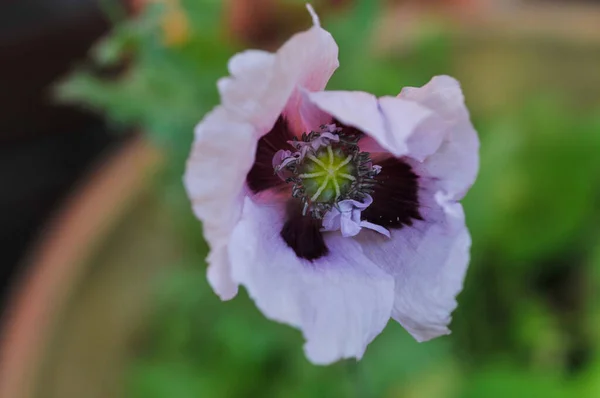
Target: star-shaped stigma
327 174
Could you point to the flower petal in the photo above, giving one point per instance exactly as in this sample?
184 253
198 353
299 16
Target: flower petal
456 163
222 154
311 58
390 121
312 116
250 84
417 129
340 301
264 85
219 272
428 261
357 109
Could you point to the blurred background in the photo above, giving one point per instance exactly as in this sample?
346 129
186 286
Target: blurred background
102 264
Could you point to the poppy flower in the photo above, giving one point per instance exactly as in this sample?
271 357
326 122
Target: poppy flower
335 210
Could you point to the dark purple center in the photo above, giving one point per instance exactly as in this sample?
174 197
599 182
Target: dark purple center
395 194
261 177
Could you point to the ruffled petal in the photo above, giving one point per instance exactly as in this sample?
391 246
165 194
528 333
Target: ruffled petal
253 81
389 121
310 58
417 130
340 301
456 163
428 261
219 272
264 85
312 116
221 156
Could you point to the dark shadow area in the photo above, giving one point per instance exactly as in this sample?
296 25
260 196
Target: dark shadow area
45 147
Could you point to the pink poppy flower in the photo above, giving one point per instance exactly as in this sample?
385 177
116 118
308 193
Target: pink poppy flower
336 210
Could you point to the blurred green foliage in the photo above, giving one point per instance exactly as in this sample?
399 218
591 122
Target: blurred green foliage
528 321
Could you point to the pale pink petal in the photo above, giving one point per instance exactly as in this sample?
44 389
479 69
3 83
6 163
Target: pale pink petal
221 156
311 58
389 121
219 272
251 82
264 85
369 144
312 117
416 129
456 163
357 109
428 262
340 301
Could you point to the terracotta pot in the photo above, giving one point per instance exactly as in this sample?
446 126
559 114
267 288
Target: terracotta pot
58 266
